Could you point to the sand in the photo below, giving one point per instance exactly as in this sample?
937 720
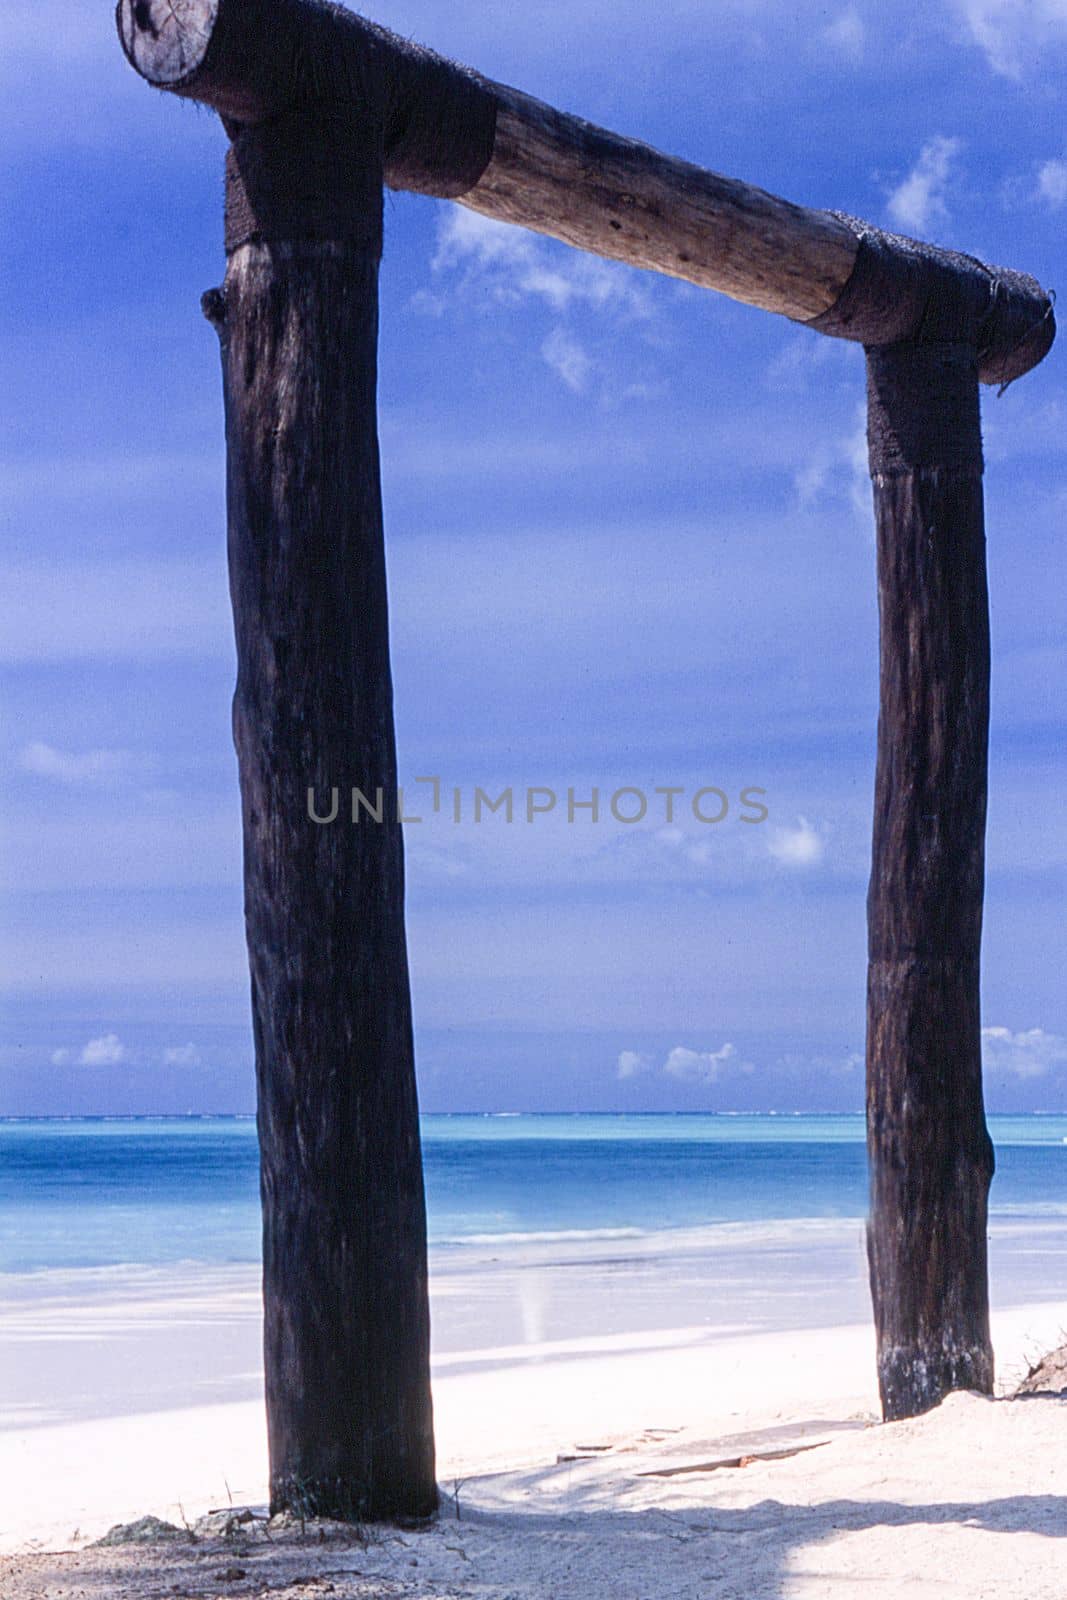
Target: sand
971 1500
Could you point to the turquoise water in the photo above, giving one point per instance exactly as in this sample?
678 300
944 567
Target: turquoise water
108 1193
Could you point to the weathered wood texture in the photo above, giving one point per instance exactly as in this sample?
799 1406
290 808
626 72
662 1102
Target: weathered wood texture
931 1159
446 131
344 1243
319 105
619 198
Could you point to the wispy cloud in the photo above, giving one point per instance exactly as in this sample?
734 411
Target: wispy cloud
847 35
920 199
806 1067
182 1055
837 470
1015 34
1030 1054
800 365
514 265
75 768
476 255
1052 183
568 359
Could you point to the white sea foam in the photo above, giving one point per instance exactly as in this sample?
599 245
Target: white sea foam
542 1236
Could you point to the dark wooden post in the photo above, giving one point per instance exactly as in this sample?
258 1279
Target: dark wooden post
931 1159
346 1310
346 1333
321 105
346 1314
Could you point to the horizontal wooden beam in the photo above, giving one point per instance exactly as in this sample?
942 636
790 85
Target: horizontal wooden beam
622 199
444 130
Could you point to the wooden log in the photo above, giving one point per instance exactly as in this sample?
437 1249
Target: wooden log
446 131
931 1159
319 104
621 199
346 1332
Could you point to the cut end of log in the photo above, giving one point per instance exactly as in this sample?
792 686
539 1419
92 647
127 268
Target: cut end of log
166 40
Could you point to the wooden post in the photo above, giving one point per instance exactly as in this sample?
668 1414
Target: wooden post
346 1330
321 106
931 1159
445 130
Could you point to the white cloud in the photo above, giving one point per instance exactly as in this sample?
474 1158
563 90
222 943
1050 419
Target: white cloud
806 1067
920 199
464 236
796 847
847 34
1025 1055
631 1064
801 363
1015 34
837 470
697 1066
515 264
182 1055
1052 183
567 359
857 466
811 479
683 1064
106 1051
67 767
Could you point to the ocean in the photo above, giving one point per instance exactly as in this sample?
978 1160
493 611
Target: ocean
103 1192
546 1233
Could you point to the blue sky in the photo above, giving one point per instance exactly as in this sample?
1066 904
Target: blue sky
629 544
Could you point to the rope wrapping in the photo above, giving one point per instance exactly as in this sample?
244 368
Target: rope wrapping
903 290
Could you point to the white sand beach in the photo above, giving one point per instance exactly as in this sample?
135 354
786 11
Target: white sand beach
581 1467
619 1412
